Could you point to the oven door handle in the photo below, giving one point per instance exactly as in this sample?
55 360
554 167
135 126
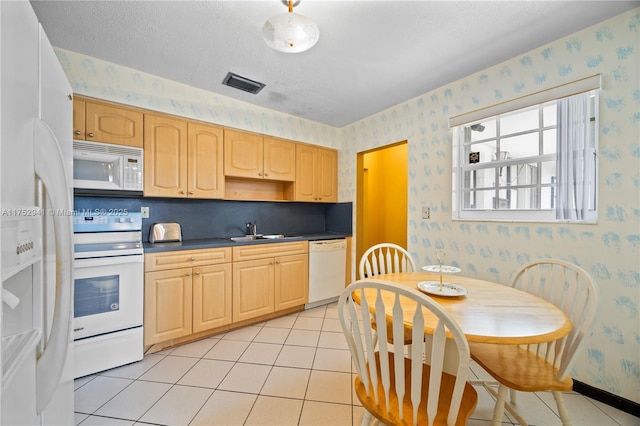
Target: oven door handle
107 261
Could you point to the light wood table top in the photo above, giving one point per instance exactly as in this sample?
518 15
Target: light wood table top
491 312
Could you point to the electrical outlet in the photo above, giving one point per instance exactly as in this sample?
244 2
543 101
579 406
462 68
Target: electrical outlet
426 212
145 212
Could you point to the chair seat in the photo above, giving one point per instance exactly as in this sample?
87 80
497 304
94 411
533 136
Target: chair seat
469 398
518 368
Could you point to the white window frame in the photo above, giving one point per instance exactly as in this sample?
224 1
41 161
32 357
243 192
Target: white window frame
460 165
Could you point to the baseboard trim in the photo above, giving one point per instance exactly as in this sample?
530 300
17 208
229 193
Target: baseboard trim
608 398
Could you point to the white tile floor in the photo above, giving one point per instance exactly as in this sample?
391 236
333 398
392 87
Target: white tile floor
287 371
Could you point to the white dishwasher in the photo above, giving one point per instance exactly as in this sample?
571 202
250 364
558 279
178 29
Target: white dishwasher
327 269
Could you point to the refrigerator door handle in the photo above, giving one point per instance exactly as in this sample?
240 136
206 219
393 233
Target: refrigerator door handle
49 167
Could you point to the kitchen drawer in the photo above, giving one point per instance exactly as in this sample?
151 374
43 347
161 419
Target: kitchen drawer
260 251
186 258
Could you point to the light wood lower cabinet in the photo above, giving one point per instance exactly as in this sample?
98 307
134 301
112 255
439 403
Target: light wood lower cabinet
181 299
168 297
192 291
273 278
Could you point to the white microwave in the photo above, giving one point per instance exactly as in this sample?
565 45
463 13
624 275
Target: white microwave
101 168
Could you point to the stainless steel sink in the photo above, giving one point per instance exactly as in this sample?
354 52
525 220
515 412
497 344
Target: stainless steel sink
247 238
263 237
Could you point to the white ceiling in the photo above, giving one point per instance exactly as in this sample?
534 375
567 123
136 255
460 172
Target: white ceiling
371 54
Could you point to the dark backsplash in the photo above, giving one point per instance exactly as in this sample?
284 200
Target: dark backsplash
219 218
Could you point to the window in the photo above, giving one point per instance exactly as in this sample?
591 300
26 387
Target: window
535 162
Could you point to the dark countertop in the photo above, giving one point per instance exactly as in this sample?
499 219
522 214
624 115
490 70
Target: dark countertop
226 242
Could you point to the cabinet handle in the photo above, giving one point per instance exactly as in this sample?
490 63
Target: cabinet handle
277 262
259 173
77 132
188 274
266 174
90 135
182 192
197 273
190 192
193 259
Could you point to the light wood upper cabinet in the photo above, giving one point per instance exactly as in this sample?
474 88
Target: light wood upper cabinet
165 156
316 174
279 159
182 158
107 123
78 118
205 175
250 155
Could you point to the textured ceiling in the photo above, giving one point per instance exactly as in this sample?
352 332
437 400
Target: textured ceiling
371 54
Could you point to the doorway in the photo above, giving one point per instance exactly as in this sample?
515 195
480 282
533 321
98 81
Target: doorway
381 197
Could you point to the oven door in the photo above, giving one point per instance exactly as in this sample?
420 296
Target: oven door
108 294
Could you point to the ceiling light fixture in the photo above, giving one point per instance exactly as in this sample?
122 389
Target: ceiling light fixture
290 32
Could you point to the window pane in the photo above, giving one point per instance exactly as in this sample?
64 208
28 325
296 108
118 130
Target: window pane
549 141
482 130
548 169
519 121
518 174
484 150
481 199
521 146
484 178
547 199
549 114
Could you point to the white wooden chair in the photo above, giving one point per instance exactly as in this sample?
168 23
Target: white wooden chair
385 258
395 389
542 367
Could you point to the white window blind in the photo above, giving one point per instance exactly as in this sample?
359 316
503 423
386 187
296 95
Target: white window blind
579 86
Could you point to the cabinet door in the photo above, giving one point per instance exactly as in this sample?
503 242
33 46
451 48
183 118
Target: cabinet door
279 159
253 293
242 154
205 177
78 119
291 276
111 124
327 175
211 296
305 173
165 156
167 305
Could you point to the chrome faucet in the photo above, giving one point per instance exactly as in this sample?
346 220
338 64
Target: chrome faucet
252 228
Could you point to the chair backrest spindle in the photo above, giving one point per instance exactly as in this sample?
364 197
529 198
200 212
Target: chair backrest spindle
387 377
385 258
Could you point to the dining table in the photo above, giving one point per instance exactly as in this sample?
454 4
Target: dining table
487 312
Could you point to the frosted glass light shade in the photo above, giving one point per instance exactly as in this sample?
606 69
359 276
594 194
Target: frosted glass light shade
290 32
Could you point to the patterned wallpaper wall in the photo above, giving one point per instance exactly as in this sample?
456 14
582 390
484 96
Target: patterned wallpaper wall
610 250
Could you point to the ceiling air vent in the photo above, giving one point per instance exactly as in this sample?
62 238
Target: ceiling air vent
238 82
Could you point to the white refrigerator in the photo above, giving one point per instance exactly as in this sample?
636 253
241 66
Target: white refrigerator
36 204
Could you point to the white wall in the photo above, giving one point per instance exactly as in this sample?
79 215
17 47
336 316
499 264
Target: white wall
610 250
491 250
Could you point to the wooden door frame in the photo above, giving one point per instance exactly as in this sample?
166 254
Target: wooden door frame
360 199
